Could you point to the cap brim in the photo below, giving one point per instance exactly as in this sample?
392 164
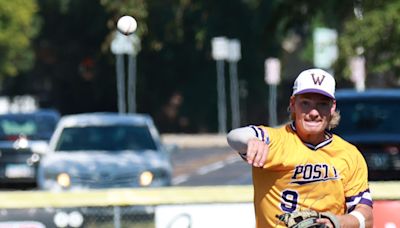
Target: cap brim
315 91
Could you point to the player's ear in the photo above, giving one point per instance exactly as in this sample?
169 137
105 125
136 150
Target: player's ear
333 107
292 101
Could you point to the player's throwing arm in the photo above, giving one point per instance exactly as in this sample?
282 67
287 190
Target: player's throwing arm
249 146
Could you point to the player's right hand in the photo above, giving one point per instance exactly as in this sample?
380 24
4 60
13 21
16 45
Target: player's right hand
257 152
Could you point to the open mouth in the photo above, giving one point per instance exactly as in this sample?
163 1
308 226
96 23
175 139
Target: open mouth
312 123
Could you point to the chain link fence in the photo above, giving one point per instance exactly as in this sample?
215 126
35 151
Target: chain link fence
87 217
118 217
120 208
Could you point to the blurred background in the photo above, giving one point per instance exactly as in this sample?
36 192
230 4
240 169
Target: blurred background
59 53
195 69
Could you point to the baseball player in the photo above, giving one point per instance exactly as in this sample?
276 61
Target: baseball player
302 166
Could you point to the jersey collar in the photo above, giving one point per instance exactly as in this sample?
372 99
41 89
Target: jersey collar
319 145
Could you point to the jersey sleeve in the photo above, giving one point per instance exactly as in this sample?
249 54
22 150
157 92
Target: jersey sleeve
261 133
239 137
277 153
278 143
356 186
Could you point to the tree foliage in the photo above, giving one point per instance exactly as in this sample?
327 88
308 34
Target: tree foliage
176 75
375 36
18 26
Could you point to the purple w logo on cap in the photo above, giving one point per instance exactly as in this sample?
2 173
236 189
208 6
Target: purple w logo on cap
318 80
315 81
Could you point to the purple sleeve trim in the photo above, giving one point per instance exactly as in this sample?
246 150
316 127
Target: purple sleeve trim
366 202
262 133
360 198
352 198
255 130
351 209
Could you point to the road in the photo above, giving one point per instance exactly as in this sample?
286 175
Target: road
209 166
205 160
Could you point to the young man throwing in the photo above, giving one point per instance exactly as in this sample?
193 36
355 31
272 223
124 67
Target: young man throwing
302 166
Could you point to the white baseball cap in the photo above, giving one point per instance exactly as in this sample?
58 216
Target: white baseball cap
315 81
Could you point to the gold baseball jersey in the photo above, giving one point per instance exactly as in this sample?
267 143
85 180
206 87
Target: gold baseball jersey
331 176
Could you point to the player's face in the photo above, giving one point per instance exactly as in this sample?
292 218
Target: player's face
312 111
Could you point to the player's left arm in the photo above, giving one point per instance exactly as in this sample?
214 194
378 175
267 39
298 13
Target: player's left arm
360 217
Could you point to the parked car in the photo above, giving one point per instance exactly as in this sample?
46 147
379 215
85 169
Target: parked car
370 121
23 139
105 150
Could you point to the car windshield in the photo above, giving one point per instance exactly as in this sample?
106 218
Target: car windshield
37 127
371 116
110 138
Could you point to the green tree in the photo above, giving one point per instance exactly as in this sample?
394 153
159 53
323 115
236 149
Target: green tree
18 26
375 36
176 51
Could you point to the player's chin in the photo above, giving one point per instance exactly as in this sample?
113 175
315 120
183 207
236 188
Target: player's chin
314 127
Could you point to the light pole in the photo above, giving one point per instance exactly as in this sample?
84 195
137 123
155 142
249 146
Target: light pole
219 53
233 57
272 78
132 74
130 45
120 70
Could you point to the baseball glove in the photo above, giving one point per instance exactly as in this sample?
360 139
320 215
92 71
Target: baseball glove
307 219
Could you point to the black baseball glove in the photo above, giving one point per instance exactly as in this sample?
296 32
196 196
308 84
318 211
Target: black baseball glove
307 219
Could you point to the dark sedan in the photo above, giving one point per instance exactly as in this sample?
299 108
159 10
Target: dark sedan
369 120
23 139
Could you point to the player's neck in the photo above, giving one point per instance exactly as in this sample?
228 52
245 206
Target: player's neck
313 139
